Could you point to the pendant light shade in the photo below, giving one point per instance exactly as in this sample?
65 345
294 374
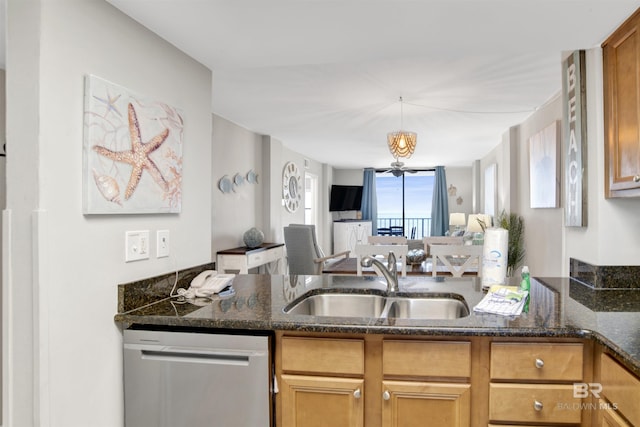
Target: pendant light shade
402 143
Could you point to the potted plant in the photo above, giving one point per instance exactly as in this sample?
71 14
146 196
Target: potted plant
514 224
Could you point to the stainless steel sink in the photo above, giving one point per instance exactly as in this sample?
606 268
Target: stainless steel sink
426 308
339 305
367 305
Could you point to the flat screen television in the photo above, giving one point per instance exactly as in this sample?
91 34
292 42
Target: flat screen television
345 198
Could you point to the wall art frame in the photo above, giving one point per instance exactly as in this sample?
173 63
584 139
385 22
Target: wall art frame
132 152
544 167
574 119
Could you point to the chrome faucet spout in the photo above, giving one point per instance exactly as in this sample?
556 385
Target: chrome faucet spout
389 271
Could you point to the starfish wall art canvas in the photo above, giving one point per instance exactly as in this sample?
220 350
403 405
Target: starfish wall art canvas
132 152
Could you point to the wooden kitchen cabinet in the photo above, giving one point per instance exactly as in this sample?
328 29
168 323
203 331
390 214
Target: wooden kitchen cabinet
620 394
432 383
621 68
411 403
321 401
377 380
322 383
608 417
533 382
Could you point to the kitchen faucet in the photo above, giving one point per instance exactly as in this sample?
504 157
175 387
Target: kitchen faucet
390 271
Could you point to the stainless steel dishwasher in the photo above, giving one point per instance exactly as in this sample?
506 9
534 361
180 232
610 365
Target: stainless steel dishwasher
174 379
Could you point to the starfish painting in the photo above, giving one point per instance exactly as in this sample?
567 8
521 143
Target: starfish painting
138 156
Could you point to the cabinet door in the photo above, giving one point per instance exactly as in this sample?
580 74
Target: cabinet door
321 401
608 417
621 56
409 404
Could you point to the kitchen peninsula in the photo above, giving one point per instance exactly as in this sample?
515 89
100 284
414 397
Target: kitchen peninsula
567 324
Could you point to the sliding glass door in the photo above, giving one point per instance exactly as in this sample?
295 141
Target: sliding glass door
404 203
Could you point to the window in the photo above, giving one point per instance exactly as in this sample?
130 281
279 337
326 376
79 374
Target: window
311 199
404 203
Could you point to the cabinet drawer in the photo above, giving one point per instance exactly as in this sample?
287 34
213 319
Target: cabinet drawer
536 361
426 358
258 258
620 388
517 403
323 355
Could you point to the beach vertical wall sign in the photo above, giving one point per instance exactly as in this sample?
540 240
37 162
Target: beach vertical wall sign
575 139
132 152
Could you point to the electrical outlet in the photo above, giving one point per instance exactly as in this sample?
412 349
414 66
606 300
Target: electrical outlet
162 243
136 245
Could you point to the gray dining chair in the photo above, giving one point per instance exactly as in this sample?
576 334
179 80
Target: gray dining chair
304 255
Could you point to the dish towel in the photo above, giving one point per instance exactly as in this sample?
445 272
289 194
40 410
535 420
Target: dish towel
503 300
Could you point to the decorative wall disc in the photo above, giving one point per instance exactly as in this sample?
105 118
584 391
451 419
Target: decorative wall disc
291 187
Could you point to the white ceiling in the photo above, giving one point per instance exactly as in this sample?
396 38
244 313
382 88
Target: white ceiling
324 76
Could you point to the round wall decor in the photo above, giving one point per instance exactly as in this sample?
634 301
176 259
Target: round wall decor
291 187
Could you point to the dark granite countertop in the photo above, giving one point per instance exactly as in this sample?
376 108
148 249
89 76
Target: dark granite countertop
559 307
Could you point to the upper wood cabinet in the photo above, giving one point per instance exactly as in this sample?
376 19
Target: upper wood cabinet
621 56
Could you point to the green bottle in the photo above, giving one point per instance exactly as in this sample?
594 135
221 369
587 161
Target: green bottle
525 284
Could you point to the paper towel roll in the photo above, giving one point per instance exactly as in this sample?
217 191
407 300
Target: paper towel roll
494 257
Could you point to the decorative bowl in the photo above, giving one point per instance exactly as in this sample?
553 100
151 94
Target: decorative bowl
416 256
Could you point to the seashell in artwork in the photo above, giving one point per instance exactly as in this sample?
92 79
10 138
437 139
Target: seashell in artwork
108 187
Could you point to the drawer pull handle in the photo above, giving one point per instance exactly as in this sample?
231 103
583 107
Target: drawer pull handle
537 405
357 394
386 395
636 178
539 363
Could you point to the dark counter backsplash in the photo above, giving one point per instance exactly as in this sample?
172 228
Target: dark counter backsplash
141 292
605 276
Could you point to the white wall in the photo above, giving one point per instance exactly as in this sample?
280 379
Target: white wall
461 178
235 151
238 150
611 237
64 350
543 233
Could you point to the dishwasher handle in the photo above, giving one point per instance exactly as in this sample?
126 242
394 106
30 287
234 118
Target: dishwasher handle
212 357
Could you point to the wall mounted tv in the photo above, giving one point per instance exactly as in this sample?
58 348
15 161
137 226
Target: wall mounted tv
345 198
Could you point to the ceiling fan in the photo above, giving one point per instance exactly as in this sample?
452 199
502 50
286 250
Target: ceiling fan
398 169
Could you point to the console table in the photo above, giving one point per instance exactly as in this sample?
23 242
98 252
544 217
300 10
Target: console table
241 259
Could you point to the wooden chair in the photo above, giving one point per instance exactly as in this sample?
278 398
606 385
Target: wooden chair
400 251
387 240
441 240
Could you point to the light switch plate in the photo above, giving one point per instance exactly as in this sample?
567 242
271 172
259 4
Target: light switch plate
162 243
136 245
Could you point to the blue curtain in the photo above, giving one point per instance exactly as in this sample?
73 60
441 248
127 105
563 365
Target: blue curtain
440 204
369 202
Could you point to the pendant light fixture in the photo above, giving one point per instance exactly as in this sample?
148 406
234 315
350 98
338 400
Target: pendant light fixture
402 143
